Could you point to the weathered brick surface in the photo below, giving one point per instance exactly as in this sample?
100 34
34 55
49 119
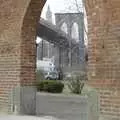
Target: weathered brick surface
104 53
18 20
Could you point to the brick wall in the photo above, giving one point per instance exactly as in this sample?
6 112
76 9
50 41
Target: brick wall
104 53
17 49
9 51
18 21
28 46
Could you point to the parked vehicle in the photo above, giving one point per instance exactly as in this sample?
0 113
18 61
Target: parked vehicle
51 75
49 69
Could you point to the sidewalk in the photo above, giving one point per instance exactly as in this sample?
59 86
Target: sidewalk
13 117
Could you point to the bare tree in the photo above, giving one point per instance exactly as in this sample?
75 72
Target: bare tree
73 5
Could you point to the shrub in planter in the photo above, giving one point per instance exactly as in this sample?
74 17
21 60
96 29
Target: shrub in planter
50 86
76 83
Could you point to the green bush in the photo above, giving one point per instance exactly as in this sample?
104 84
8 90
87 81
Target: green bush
50 86
76 84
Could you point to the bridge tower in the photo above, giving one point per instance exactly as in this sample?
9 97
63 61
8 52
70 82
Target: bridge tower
77 54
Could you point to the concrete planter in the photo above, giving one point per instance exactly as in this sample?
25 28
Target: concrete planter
66 107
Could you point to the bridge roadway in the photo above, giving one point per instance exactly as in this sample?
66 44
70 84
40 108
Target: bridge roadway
52 34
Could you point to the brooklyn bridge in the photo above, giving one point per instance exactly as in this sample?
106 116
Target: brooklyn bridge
18 22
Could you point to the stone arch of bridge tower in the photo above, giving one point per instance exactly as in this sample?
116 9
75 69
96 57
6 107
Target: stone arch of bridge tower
64 27
70 19
75 31
75 36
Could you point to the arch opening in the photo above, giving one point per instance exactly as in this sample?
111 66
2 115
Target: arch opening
102 21
64 27
75 32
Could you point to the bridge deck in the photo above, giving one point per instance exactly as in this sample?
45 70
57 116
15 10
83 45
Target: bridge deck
52 34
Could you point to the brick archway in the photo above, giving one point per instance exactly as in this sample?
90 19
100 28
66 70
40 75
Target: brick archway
18 21
28 43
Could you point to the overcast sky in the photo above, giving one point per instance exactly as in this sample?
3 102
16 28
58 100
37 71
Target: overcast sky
60 6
